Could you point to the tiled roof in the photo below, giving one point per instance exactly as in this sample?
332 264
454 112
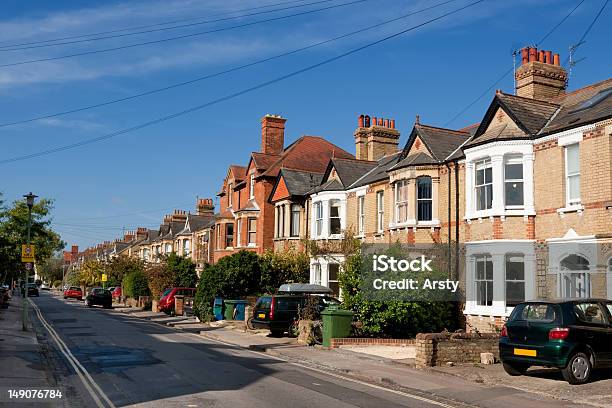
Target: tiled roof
528 113
379 172
349 171
300 182
308 153
330 185
441 142
581 107
263 161
239 172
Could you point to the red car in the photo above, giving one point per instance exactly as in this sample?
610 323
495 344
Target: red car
117 293
166 303
73 292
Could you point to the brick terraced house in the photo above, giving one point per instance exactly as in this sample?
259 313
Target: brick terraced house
247 217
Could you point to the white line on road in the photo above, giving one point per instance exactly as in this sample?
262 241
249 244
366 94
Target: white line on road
330 374
83 374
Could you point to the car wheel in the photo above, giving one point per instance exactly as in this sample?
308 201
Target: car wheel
515 369
578 369
65 297
276 333
89 304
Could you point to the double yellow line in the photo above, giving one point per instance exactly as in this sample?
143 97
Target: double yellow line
99 397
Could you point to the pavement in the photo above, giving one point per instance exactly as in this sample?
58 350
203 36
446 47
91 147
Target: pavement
133 361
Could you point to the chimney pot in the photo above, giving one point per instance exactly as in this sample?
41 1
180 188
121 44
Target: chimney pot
392 123
533 54
525 55
360 121
541 57
367 121
386 123
374 121
556 60
417 120
380 121
549 59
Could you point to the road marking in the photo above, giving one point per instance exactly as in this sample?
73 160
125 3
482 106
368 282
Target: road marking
330 374
83 374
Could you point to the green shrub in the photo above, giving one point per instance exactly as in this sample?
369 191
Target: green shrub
135 284
398 319
57 284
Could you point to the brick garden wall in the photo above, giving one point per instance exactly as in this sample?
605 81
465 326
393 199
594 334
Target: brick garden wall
435 349
352 341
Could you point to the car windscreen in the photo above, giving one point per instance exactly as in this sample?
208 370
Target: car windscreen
537 313
166 292
74 288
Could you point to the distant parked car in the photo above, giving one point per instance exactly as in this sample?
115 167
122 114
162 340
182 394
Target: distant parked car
101 297
116 293
73 292
573 335
32 290
45 286
166 303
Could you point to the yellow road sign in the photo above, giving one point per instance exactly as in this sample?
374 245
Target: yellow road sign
27 253
104 277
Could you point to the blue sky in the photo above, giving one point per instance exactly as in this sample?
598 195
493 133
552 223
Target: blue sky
135 178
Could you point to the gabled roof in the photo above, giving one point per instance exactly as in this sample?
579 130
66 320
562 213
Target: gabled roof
308 153
349 171
295 183
263 161
239 172
439 142
379 172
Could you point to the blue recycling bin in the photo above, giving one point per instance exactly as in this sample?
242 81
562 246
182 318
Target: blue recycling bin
239 307
218 308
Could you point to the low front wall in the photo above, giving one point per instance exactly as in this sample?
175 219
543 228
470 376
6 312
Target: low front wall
435 349
365 341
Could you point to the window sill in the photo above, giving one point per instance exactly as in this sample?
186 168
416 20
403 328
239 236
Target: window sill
415 224
507 212
579 208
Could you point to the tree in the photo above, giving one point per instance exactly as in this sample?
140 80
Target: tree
13 233
183 269
135 284
117 267
90 273
283 267
159 277
52 269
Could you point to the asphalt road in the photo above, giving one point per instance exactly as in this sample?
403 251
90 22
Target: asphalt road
135 362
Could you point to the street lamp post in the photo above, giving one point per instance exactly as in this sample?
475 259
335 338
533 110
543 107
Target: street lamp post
30 203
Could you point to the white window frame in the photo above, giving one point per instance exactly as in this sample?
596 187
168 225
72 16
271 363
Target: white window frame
252 232
230 194
483 165
361 214
486 281
380 211
252 186
294 224
334 203
337 275
318 216
568 199
316 273
418 200
398 186
506 280
239 232
514 159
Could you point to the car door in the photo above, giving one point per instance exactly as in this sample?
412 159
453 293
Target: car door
608 352
593 322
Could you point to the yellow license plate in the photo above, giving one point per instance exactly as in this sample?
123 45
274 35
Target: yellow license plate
524 352
261 315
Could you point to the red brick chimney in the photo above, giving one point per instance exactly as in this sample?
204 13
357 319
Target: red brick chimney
205 206
74 250
375 138
141 233
128 236
540 75
272 134
179 216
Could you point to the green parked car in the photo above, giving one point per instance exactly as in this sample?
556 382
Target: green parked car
573 335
